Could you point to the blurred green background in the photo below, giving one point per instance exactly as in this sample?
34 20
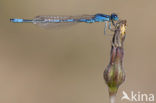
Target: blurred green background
66 65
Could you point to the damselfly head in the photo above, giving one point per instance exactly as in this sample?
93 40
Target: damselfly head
114 17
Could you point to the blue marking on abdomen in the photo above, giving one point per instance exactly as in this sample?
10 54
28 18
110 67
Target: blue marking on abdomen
56 21
82 20
69 20
87 20
16 20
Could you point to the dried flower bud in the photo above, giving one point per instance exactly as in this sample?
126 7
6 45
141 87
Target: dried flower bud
114 74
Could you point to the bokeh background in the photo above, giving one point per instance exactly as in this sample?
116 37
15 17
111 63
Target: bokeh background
66 65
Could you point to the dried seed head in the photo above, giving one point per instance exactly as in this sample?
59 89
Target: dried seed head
114 74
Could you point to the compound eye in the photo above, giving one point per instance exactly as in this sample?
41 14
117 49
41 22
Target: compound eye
115 17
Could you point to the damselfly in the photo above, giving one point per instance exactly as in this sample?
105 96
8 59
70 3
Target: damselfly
50 20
